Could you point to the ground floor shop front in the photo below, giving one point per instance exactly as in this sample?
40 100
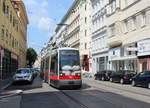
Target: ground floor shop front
124 65
8 66
100 62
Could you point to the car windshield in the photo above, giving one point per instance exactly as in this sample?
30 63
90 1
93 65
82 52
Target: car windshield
22 71
69 60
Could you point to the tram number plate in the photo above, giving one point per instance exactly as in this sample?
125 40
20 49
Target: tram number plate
71 82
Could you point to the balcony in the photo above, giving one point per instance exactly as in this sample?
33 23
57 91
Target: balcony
114 41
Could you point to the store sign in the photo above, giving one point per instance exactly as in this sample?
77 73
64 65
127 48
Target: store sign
144 47
131 49
114 54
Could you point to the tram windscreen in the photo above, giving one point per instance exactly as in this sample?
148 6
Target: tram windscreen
69 60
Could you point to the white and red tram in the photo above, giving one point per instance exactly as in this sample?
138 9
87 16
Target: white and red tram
62 67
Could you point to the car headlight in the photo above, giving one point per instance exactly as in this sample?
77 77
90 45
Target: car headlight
26 76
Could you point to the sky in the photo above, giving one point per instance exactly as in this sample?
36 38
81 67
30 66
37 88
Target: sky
43 17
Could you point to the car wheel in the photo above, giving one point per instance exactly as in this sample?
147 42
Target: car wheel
111 79
133 83
149 85
122 81
102 78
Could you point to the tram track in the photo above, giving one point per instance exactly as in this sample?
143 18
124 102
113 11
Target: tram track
73 99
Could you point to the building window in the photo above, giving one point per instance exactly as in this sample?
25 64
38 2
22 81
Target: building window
10 40
85 32
13 42
7 36
112 6
143 19
126 3
85 20
85 45
4 6
112 30
2 34
7 11
113 52
126 27
13 22
11 16
134 23
85 7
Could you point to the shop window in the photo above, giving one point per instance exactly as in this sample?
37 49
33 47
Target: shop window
113 52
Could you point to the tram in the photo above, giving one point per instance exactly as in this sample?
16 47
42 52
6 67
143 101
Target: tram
61 68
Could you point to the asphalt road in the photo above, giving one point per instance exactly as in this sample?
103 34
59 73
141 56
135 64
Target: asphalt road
92 95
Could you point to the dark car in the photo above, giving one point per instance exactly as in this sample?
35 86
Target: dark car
103 75
122 76
142 79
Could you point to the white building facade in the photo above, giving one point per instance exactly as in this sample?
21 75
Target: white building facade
129 28
77 33
99 36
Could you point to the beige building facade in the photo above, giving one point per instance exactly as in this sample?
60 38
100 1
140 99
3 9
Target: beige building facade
13 37
128 24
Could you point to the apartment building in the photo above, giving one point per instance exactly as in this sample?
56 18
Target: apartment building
128 34
99 36
74 29
13 37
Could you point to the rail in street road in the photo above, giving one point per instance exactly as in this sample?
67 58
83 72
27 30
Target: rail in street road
73 99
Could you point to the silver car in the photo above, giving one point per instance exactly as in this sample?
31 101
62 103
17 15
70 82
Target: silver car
23 74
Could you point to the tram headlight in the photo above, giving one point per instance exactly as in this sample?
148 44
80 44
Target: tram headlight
78 74
62 74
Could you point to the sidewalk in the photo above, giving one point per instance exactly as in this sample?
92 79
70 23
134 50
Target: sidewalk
10 102
10 99
5 83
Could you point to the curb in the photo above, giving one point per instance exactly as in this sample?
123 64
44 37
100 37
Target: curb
11 93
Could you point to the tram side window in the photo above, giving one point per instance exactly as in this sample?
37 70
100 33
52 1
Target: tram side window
54 67
47 63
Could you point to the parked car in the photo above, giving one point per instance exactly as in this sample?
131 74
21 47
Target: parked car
122 76
103 75
34 72
142 79
23 74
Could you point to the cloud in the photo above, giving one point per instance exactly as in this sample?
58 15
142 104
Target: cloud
38 15
44 23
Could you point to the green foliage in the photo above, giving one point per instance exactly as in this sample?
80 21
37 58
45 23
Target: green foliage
31 56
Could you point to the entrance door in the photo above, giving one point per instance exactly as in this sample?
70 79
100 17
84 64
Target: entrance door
144 66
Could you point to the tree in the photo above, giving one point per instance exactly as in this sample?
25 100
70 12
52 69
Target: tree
31 56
